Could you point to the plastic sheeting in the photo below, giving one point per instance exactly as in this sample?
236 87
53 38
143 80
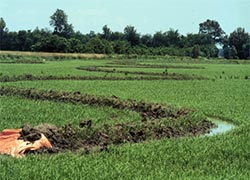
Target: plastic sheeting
11 145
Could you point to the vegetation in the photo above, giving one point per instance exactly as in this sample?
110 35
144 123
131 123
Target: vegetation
239 44
224 94
64 39
213 29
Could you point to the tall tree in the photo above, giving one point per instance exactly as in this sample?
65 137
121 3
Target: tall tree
59 20
2 29
213 29
159 39
246 49
240 40
230 52
117 36
147 40
131 35
106 33
201 39
173 37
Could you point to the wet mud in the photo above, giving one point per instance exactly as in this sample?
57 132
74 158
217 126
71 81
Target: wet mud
89 139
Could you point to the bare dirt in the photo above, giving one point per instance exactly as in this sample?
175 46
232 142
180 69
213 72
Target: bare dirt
94 139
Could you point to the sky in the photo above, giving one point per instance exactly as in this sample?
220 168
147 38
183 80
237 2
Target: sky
147 16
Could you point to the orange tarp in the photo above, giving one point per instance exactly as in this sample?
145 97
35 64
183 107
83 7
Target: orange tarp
10 144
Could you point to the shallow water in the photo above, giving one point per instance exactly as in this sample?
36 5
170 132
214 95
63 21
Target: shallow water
221 127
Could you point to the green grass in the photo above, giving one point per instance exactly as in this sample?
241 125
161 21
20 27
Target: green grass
225 156
49 68
56 68
62 68
16 111
226 98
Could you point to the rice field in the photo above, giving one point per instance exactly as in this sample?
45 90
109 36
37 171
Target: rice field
125 94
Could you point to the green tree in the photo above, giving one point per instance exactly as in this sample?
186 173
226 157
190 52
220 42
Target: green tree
213 29
52 43
209 51
192 39
239 39
159 39
2 24
230 52
131 35
24 40
91 34
75 45
117 36
96 45
147 40
246 50
10 41
58 44
106 33
121 47
173 38
2 31
59 20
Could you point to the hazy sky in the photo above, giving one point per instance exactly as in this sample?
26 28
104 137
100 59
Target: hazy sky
148 16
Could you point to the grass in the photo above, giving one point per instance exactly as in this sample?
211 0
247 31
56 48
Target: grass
24 111
227 98
224 156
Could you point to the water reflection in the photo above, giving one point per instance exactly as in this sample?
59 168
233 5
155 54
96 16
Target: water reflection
221 127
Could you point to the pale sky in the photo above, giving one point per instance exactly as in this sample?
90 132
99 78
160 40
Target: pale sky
148 16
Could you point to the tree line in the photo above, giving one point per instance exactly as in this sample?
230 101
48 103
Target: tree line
63 38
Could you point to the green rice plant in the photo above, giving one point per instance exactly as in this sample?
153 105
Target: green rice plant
224 156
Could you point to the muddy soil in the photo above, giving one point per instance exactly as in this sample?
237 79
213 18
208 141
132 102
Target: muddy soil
94 139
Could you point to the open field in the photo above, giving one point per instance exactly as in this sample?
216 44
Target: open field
222 92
